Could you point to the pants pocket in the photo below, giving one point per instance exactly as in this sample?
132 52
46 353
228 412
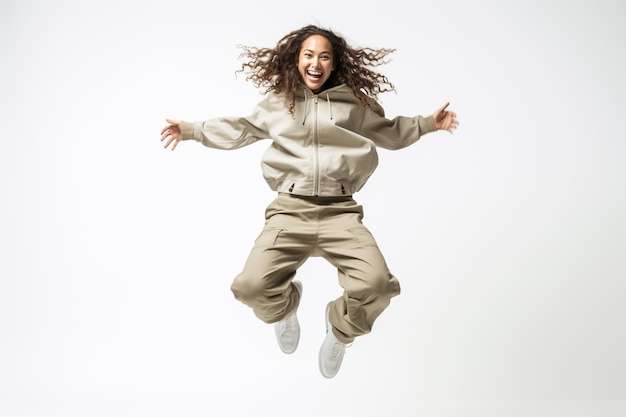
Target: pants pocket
362 236
267 238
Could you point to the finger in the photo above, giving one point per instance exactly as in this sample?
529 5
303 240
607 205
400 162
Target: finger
173 140
164 134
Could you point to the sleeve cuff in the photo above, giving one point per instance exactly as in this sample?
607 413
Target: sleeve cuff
186 130
427 124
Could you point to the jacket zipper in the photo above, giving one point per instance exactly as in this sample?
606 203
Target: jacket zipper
316 143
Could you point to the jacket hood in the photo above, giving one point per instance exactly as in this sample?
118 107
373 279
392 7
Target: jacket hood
340 93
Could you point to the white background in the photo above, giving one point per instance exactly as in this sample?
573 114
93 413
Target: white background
508 237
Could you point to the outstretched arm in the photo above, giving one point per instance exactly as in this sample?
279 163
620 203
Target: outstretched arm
445 119
171 133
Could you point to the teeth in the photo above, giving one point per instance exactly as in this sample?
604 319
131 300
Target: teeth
314 73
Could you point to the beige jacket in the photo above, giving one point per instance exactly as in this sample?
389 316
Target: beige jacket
327 148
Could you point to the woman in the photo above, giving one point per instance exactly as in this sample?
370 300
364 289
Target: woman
321 114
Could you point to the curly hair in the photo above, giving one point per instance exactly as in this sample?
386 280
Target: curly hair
275 69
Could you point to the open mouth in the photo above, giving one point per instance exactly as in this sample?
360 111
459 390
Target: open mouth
314 74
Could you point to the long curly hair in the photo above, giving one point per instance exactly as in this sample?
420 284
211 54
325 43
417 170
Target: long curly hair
275 69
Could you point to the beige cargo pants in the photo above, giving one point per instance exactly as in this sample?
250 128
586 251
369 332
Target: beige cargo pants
297 228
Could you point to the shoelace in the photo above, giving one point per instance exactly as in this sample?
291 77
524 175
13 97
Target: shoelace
336 349
287 325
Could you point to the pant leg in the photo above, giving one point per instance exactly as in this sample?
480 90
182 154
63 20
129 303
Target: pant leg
363 273
284 244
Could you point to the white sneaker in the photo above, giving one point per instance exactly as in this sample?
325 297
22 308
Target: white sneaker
288 329
331 352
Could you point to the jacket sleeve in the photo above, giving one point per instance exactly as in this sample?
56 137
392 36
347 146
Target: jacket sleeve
228 132
396 133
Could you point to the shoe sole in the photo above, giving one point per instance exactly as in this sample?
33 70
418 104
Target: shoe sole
329 328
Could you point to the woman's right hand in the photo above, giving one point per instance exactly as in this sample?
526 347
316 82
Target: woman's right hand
171 134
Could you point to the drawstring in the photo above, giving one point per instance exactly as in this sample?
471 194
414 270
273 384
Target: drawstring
306 102
330 107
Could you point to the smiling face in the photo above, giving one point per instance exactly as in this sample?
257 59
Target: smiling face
315 62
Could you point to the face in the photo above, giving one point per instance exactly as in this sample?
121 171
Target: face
315 62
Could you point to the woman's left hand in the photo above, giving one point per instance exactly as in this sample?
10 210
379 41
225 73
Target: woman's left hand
445 119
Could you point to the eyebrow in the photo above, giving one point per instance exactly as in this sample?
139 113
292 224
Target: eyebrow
311 50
